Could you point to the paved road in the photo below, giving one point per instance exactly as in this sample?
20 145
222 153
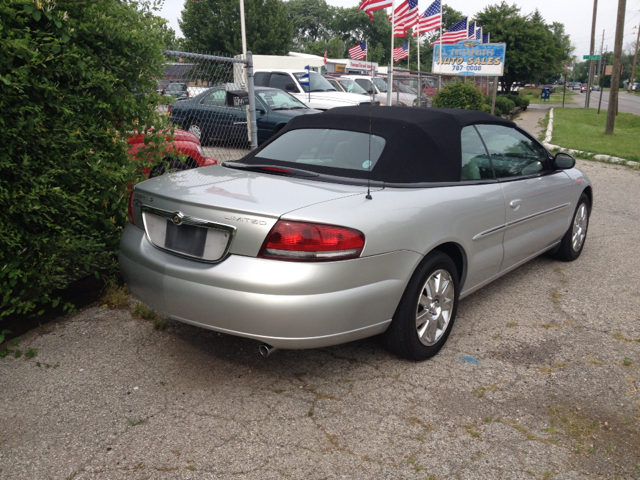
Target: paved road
539 380
627 103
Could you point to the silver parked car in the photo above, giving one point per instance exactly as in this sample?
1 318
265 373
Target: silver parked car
354 222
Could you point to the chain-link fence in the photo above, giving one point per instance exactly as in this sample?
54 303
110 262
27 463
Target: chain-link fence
211 99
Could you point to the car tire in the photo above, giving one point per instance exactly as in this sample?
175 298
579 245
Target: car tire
196 129
573 240
426 312
169 165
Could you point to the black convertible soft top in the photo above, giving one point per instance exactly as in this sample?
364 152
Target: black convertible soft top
422 144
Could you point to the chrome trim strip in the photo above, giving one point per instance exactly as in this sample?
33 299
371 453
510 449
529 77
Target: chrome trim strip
535 215
188 220
491 231
500 228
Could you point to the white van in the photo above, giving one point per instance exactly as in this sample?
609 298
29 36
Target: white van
318 93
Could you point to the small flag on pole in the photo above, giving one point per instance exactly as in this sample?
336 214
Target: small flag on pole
454 34
486 38
406 17
369 6
359 51
431 19
479 34
401 52
325 54
472 31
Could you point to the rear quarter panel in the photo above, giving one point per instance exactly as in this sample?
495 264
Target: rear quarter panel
421 219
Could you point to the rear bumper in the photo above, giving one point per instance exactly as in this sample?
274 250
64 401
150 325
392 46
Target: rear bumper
284 304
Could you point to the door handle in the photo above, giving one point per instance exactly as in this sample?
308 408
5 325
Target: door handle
515 204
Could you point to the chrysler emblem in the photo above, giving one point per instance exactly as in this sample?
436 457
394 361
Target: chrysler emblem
177 218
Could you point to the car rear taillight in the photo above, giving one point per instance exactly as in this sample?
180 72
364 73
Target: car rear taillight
130 209
311 242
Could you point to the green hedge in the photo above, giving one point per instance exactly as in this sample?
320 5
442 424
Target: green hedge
459 95
75 76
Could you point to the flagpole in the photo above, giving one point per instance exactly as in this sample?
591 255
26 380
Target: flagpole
419 79
390 73
408 53
440 46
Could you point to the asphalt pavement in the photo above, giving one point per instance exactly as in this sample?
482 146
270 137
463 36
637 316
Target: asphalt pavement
627 103
539 379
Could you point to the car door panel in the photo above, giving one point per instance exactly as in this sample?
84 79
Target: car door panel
537 198
536 215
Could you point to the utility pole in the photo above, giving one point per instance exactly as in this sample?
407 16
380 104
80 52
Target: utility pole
635 58
600 62
615 74
593 41
601 82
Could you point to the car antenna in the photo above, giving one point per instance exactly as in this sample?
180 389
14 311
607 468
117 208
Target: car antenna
368 197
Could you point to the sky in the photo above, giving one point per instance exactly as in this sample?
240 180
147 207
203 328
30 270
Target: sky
576 15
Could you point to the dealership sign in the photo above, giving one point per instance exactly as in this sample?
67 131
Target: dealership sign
469 58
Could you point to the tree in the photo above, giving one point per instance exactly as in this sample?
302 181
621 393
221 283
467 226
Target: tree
75 77
311 20
214 26
532 49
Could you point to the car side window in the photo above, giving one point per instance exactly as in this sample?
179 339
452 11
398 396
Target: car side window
260 79
475 161
364 83
512 153
280 80
216 98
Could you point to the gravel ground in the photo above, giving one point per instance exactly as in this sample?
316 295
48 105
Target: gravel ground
539 380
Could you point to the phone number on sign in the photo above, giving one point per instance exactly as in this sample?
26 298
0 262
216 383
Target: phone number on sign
457 68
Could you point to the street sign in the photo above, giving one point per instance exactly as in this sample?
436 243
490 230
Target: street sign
591 57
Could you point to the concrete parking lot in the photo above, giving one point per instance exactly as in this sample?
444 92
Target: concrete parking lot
539 379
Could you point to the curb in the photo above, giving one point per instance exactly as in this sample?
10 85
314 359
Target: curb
603 158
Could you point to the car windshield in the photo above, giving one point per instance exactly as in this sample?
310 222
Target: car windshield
317 83
176 87
279 100
381 84
352 87
340 149
403 88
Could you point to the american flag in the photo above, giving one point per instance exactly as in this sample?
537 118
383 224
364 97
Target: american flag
325 54
486 38
430 19
359 51
368 6
472 31
454 34
401 52
479 34
405 17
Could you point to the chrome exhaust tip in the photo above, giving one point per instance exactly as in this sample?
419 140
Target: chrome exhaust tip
266 350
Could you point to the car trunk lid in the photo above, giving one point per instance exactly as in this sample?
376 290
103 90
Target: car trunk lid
245 204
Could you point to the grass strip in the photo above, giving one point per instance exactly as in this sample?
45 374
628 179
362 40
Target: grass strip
582 129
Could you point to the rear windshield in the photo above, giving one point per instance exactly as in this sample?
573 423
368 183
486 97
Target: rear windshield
340 149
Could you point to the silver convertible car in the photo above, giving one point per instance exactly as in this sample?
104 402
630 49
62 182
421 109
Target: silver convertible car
354 222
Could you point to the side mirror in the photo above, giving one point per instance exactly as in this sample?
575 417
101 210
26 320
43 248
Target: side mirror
564 161
291 87
260 111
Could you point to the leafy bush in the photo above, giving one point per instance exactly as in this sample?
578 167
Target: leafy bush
535 93
459 95
524 103
515 99
504 104
75 76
